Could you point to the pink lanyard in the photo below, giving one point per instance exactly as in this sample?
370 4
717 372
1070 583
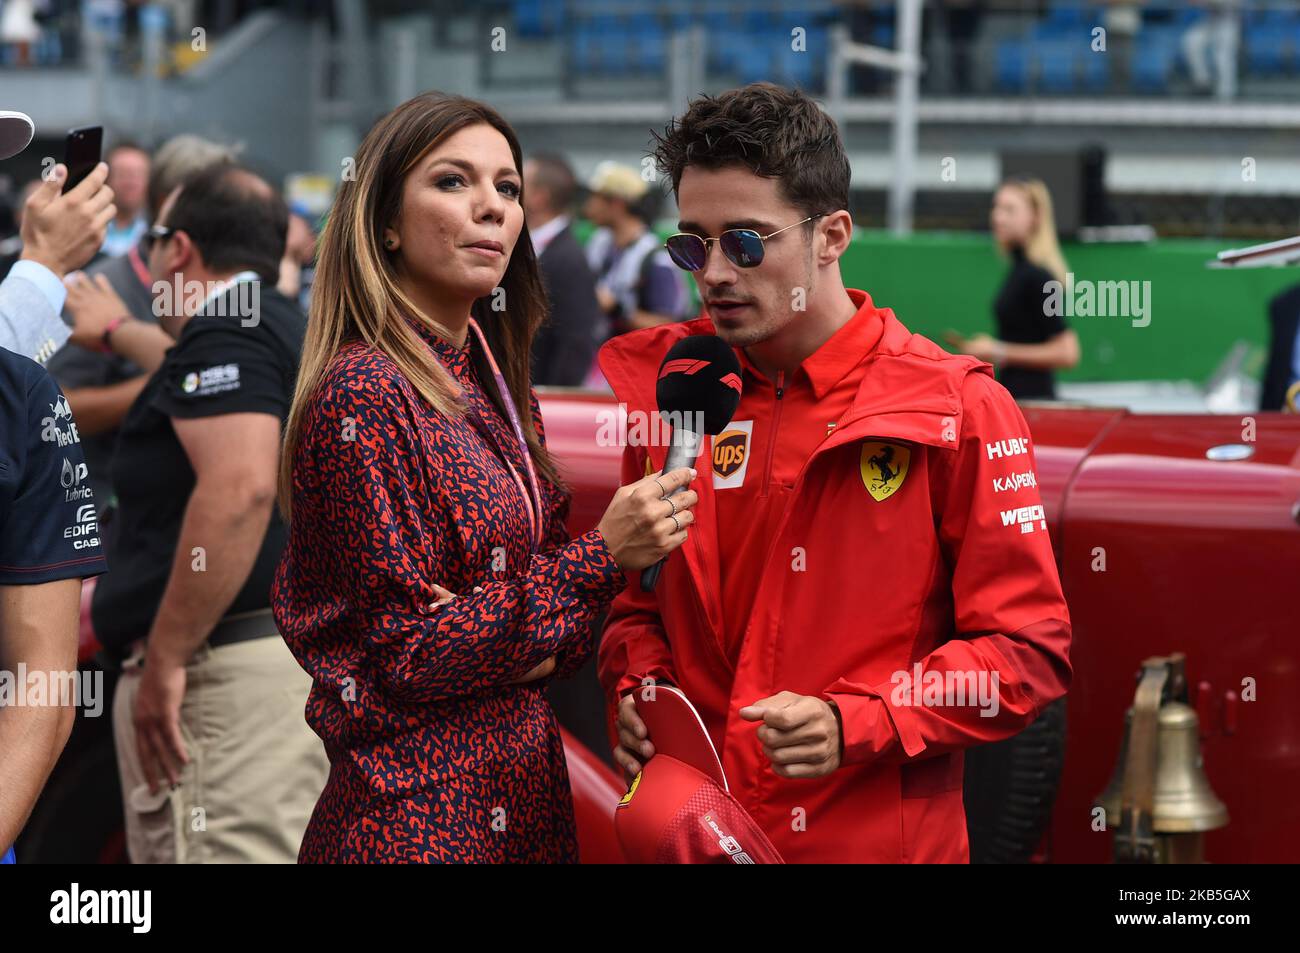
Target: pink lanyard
534 499
138 266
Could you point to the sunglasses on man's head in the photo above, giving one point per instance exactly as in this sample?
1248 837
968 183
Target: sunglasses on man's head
742 246
152 237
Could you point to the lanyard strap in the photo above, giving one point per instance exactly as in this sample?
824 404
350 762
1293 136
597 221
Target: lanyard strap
532 500
138 266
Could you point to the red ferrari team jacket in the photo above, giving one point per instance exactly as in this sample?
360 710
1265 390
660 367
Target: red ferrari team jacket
907 576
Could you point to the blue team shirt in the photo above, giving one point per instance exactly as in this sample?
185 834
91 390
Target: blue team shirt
48 525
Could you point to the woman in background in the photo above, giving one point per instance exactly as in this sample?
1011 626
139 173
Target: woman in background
1032 337
415 459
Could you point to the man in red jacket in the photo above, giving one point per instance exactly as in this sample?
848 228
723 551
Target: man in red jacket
869 587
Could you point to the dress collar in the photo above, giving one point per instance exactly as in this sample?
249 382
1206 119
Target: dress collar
456 358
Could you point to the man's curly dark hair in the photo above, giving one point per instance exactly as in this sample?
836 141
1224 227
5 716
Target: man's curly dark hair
776 132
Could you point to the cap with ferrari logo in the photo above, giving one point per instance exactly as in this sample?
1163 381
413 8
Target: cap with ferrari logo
679 809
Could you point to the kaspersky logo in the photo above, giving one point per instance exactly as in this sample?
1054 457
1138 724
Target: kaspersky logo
731 455
1015 481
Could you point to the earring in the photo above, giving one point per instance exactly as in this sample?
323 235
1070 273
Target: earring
389 243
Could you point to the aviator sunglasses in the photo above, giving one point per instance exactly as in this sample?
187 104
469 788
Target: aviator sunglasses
742 246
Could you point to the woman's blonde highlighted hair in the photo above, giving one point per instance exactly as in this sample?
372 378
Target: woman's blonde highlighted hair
1041 248
356 297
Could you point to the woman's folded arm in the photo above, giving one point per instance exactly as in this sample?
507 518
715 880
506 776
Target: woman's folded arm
368 506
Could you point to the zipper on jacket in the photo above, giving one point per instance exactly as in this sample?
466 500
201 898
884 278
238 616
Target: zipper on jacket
771 440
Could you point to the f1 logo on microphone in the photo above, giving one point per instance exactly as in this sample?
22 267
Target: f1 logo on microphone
689 366
685 365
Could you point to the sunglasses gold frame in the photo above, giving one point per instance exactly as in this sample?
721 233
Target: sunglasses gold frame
709 240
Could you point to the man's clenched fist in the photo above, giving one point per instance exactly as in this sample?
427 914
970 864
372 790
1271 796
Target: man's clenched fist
800 734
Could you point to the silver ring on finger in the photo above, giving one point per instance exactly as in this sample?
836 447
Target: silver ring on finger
670 502
663 494
675 523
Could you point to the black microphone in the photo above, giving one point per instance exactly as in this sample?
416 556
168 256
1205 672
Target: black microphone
698 391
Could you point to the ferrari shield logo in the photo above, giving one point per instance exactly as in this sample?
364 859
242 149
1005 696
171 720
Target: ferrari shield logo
884 467
627 798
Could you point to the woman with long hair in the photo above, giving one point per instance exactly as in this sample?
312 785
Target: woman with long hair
428 585
1033 339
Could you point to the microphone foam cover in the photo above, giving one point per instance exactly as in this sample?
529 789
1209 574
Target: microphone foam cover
699 376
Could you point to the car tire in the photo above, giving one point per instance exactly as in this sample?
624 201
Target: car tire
1009 789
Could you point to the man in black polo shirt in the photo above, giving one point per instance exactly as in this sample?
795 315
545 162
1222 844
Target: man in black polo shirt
101 384
49 542
216 758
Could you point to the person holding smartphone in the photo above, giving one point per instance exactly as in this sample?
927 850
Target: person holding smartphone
61 231
429 586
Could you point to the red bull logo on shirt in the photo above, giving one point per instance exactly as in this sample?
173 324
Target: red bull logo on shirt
59 428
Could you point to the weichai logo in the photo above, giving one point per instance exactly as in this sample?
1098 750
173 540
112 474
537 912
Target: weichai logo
729 452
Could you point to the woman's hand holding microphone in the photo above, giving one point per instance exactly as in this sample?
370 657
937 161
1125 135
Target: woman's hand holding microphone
645 521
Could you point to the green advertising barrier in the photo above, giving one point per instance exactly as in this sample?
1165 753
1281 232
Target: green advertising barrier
1194 314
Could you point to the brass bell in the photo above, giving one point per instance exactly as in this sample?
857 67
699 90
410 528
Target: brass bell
1158 801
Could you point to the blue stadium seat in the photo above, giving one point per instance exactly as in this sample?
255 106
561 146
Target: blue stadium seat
795 69
1057 63
1186 16
756 65
720 20
1096 70
585 49
538 18
786 65
731 49
1266 46
1012 65
1154 59
604 24
649 52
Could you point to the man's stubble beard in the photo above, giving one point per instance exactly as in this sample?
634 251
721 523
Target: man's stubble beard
744 337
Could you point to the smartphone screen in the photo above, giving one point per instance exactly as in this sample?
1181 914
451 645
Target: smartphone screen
81 153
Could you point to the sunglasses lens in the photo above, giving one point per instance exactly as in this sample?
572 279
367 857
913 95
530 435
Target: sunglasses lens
686 251
743 247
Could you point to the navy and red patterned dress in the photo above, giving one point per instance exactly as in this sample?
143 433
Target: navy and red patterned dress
434 757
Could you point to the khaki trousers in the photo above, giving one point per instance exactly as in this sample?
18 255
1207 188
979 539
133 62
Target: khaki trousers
255 768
